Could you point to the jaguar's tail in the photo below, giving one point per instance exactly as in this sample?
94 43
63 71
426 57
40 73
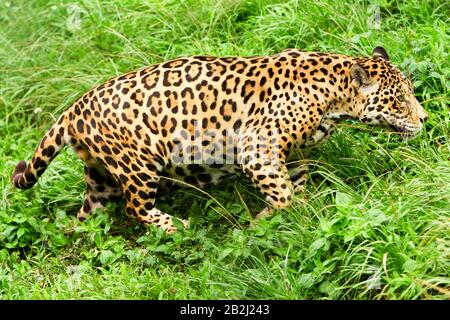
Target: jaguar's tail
25 176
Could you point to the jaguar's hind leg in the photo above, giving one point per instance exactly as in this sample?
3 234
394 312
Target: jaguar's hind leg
101 188
140 193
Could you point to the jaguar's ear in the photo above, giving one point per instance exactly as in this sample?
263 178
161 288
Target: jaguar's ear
379 52
359 76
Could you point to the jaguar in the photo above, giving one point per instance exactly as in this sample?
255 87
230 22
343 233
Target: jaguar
198 119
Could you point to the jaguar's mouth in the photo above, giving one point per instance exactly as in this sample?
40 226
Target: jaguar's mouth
407 132
393 127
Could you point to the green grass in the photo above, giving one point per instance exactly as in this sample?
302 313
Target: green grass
376 224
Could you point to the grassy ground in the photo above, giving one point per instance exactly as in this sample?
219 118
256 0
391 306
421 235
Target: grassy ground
376 225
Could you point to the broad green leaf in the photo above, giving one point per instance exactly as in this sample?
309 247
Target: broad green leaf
318 244
106 257
306 280
343 199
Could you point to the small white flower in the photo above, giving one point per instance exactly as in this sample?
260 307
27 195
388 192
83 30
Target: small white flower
37 110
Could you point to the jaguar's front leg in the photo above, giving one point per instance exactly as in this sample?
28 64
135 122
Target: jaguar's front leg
322 134
273 182
298 169
264 163
298 173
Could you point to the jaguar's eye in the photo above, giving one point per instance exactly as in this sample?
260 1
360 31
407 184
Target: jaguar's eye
401 98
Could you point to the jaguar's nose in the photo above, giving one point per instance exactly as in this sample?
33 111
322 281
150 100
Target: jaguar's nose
424 117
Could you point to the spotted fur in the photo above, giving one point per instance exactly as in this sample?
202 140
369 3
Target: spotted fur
198 119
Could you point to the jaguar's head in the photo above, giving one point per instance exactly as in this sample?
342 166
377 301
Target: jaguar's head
384 96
